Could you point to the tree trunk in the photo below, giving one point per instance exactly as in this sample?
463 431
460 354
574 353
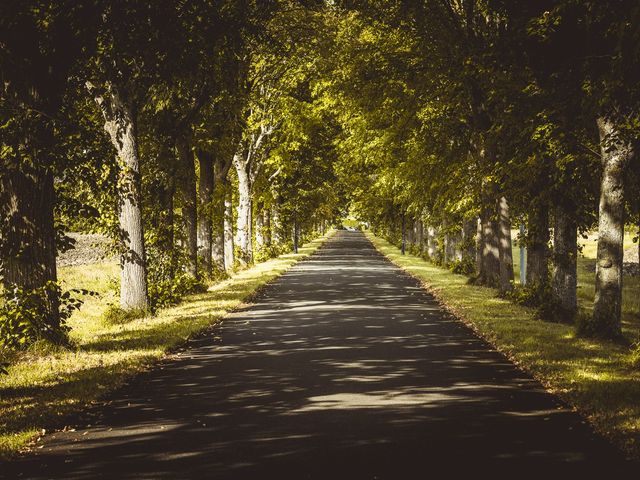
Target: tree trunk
490 250
411 240
221 185
538 246
27 234
432 243
228 231
469 229
565 254
217 243
188 200
403 246
452 240
419 232
607 308
244 220
506 253
447 240
259 228
276 227
267 227
205 207
478 246
121 127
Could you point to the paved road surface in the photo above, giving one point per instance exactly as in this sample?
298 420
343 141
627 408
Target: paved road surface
343 368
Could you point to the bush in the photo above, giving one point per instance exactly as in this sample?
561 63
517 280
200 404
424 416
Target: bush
167 291
167 280
267 252
27 316
540 298
463 267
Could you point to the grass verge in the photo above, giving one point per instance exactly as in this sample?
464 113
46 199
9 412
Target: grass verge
47 384
596 377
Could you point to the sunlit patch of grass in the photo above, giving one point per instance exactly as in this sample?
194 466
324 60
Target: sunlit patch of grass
596 377
48 383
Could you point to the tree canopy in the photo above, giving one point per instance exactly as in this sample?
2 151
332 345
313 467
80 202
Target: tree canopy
205 135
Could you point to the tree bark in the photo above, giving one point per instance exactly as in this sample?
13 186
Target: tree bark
260 228
432 243
469 229
478 246
411 240
607 308
27 233
188 200
403 233
419 233
565 254
506 253
120 124
452 241
447 240
217 247
538 246
267 227
205 207
490 249
276 227
221 189
244 213
228 231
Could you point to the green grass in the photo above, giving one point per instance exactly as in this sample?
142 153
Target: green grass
596 377
45 384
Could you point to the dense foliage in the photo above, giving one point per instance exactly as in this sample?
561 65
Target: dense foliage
205 135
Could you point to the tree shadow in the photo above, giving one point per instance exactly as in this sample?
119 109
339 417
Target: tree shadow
343 368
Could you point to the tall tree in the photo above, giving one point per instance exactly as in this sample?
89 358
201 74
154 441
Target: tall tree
41 46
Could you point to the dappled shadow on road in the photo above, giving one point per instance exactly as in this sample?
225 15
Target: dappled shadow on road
343 368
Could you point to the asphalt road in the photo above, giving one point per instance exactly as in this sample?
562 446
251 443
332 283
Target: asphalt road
342 368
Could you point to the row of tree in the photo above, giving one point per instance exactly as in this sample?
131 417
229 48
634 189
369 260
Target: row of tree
174 126
463 118
199 133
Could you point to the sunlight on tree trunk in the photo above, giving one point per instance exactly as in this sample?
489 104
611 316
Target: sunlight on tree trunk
538 246
565 255
228 230
506 254
205 210
608 298
121 127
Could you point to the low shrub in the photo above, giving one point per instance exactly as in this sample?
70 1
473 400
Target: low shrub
30 315
168 291
267 252
463 267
